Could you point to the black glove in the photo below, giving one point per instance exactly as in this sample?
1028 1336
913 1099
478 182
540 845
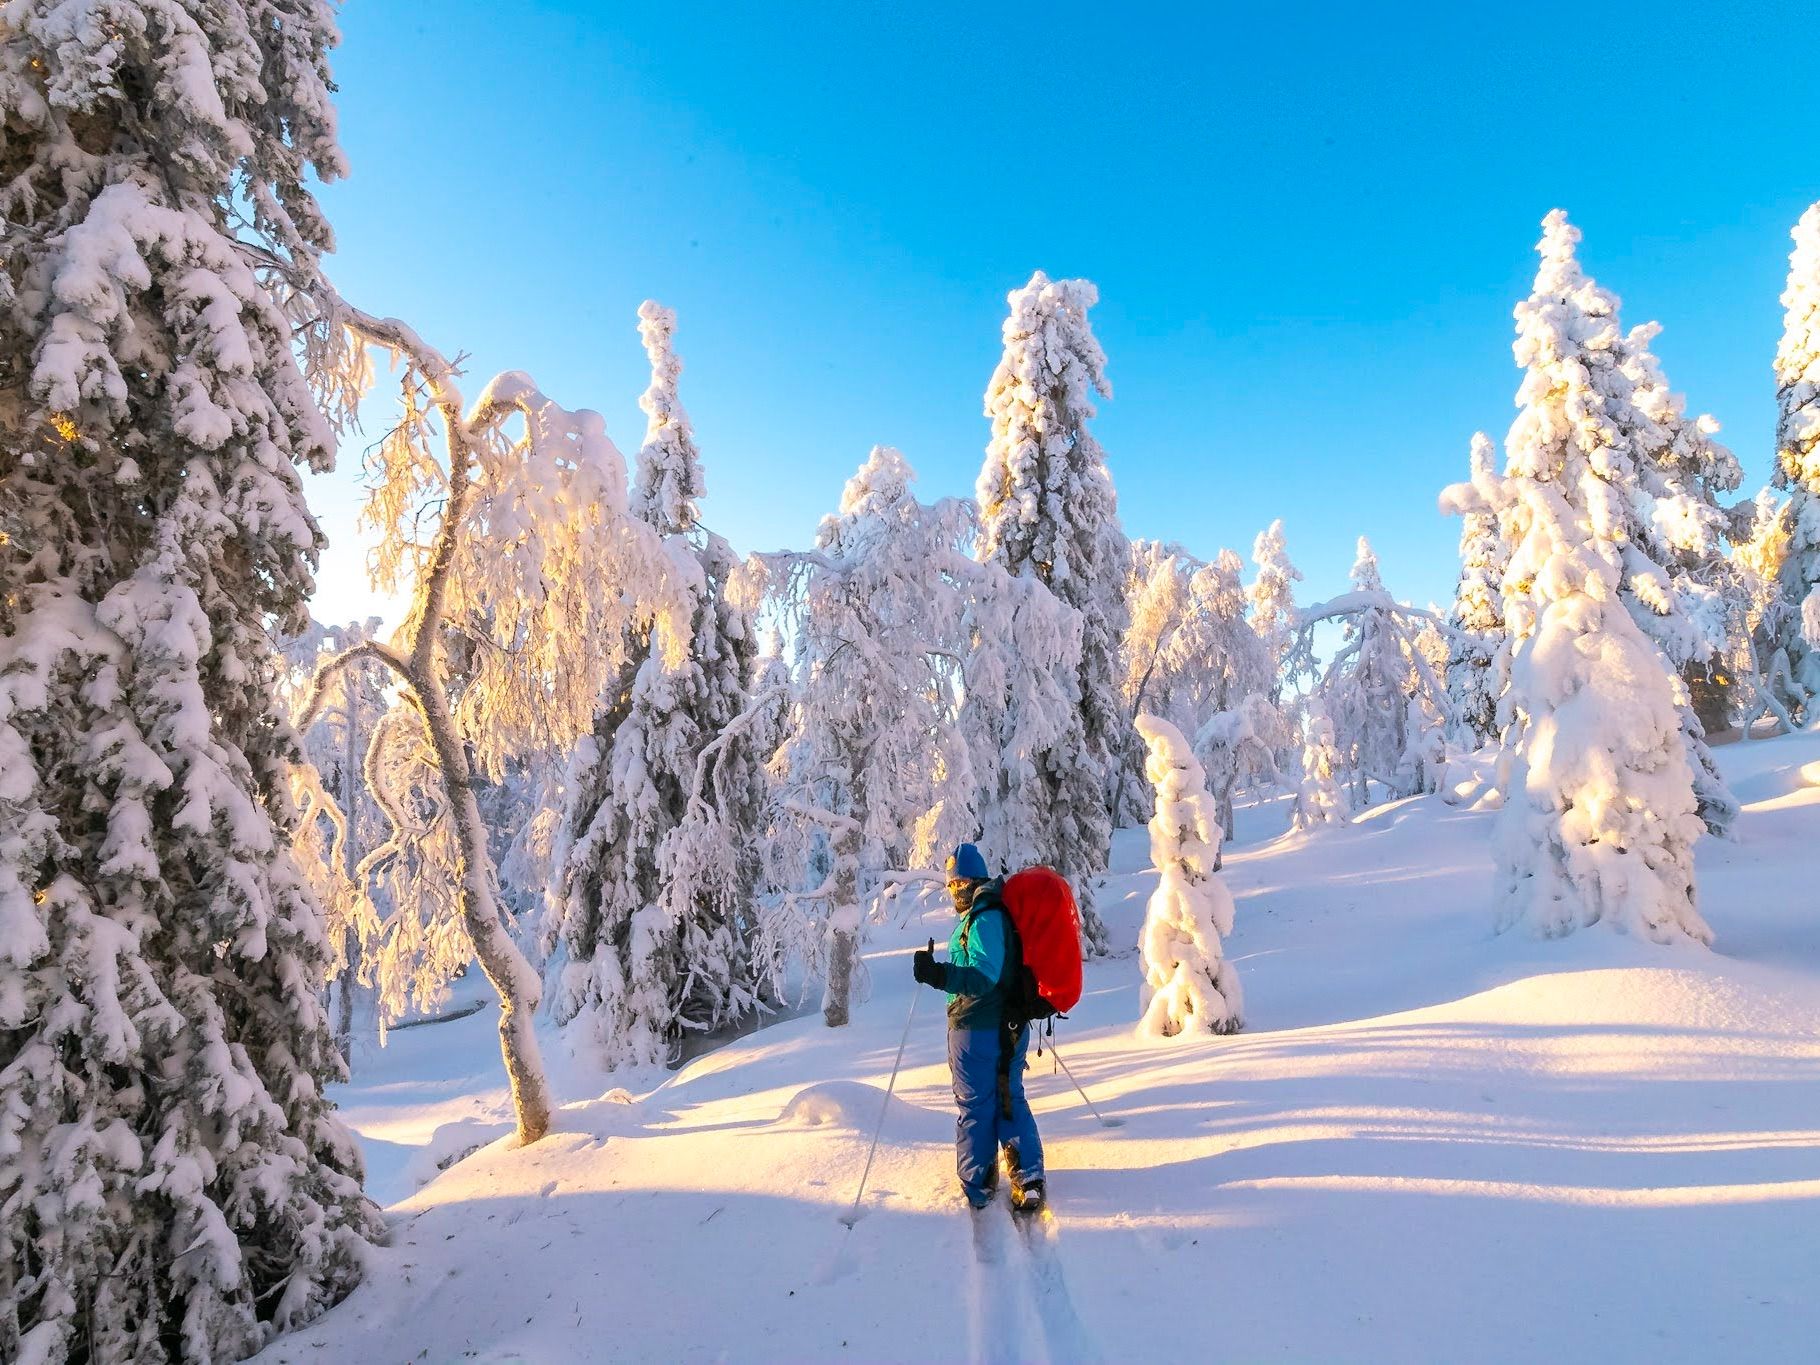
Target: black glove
926 970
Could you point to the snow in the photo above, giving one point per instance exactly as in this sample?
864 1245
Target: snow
1429 1143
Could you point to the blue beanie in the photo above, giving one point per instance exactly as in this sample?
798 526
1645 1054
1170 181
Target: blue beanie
968 863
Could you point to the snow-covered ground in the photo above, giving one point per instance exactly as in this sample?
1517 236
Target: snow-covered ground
1428 1144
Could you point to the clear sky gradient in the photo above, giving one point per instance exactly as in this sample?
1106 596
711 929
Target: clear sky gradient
1308 225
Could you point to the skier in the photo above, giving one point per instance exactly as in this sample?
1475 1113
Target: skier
986 1047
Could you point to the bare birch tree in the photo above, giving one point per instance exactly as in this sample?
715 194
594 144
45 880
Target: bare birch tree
506 520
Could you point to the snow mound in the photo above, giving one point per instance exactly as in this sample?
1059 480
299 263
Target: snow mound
852 1105
450 1143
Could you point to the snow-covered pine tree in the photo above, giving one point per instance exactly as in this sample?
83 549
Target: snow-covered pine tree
1369 685
1363 691
1189 653
1798 456
1193 659
1600 820
654 874
1019 713
1048 511
174 1185
1219 682
1273 609
1679 583
1759 556
522 596
1156 605
1189 986
1319 799
1477 660
873 772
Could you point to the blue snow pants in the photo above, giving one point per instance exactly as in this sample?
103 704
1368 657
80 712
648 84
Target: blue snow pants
990 1119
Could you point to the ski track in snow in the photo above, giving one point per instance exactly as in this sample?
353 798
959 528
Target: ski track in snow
1068 1339
1019 1307
999 1331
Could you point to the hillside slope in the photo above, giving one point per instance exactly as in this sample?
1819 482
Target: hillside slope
1429 1143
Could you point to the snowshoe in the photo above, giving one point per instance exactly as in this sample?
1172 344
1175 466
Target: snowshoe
1028 1199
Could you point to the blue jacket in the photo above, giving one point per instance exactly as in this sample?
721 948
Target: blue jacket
982 960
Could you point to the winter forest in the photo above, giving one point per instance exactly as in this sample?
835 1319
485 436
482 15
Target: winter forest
461 985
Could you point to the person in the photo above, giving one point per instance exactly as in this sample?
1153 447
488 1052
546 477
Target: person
986 1048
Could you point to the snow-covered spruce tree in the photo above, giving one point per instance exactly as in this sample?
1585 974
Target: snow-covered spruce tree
1600 821
1319 799
1156 605
1798 456
1190 653
1679 583
1048 511
872 772
173 1183
1363 691
1477 661
1220 660
1189 986
1759 555
521 598
1273 610
1020 715
1367 688
640 966
1192 658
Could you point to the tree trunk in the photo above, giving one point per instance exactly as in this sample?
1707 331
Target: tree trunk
351 751
843 928
836 1004
512 976
344 1003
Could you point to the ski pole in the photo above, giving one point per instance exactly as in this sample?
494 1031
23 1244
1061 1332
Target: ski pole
1105 1122
853 1213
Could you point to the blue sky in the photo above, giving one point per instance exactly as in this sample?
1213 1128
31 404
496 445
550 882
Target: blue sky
1308 225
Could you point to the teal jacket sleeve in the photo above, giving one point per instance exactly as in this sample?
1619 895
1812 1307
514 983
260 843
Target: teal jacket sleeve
977 971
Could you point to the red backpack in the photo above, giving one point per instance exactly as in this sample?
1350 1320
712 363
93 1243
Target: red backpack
1048 927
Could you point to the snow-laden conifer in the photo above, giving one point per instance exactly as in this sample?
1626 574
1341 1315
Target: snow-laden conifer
1156 604
1600 820
1190 656
173 1183
1048 511
1273 609
654 873
1679 582
1020 716
1771 621
873 773
1319 799
1381 691
1189 986
1798 453
1478 661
